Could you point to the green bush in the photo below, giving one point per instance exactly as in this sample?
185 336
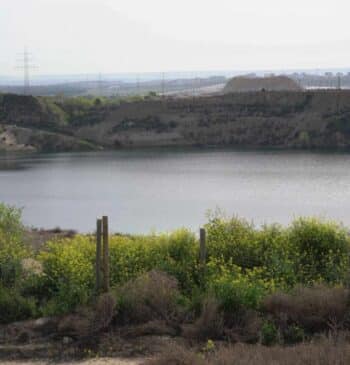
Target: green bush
269 334
68 273
320 250
12 249
309 251
175 253
11 228
244 263
234 240
238 293
69 264
15 307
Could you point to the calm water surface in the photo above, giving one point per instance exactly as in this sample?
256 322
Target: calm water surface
164 189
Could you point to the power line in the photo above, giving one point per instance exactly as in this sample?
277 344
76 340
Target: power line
99 83
163 85
26 65
138 84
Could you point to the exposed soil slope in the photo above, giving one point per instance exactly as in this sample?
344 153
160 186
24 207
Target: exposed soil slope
294 119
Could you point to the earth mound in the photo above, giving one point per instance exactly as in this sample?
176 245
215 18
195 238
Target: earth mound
273 83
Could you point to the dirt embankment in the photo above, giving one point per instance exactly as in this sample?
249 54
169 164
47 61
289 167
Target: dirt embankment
32 124
251 84
259 119
279 119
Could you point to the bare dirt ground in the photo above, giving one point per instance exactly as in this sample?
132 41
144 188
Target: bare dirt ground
38 237
101 361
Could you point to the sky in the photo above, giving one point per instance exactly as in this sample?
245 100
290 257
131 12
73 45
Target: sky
112 36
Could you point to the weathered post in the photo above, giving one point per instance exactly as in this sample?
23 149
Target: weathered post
105 254
98 255
202 247
202 256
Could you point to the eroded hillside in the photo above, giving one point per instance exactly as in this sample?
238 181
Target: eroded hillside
315 119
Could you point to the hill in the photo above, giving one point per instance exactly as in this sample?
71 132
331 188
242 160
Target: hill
291 119
273 83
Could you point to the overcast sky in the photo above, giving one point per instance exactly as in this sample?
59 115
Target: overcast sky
91 36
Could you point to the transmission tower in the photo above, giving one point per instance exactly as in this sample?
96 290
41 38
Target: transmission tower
99 83
26 65
194 79
138 84
339 82
163 85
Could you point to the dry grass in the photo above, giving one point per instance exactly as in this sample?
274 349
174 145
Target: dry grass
210 323
84 323
315 309
150 297
105 311
75 325
325 352
177 355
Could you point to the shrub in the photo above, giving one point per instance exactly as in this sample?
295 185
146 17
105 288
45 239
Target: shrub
14 307
321 250
105 310
233 240
244 264
293 334
151 296
174 253
238 293
275 253
180 250
210 324
84 322
309 251
76 325
68 266
12 250
269 333
11 228
314 309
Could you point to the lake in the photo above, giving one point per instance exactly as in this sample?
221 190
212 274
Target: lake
144 190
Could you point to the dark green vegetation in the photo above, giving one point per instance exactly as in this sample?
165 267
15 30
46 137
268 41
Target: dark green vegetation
270 285
310 119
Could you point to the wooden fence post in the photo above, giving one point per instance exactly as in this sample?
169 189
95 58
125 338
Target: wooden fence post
202 256
98 255
105 254
202 247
